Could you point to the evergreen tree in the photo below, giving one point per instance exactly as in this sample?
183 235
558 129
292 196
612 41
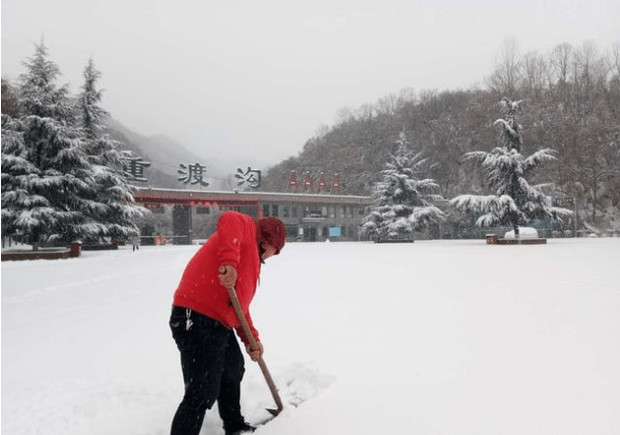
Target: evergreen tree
402 201
10 103
514 201
119 211
43 163
17 173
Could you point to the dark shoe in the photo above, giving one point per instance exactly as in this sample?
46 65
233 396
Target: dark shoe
243 429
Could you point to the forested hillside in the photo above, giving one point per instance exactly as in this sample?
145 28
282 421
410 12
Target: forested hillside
571 103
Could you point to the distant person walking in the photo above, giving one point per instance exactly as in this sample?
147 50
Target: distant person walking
135 243
160 240
203 319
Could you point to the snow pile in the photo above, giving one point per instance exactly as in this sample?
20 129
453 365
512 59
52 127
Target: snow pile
434 337
524 233
297 383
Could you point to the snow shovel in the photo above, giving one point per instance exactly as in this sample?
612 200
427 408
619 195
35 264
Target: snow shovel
248 333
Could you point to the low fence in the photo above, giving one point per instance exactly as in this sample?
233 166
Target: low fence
72 251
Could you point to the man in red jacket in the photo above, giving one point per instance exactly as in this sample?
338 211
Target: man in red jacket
203 319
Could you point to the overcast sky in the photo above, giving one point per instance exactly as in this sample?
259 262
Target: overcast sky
253 80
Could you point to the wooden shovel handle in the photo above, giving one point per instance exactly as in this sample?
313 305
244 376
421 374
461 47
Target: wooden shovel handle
232 294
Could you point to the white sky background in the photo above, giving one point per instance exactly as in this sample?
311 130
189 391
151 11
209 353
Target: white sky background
253 80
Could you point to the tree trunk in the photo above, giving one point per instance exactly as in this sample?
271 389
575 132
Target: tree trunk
35 240
594 200
516 228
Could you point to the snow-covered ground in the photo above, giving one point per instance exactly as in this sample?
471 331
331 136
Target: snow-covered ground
437 337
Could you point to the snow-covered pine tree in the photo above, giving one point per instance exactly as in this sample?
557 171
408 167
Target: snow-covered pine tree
17 171
401 200
10 103
43 162
514 201
111 189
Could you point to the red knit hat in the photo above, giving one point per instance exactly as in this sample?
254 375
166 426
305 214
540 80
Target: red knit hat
272 231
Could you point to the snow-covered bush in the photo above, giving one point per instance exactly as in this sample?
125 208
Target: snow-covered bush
524 233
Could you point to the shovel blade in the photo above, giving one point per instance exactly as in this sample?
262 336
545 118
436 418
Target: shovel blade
274 412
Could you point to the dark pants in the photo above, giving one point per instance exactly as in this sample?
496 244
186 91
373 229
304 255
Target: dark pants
213 367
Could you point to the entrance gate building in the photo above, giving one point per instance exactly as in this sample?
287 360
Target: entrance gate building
189 216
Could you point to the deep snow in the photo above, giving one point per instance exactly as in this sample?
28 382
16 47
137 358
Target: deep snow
437 337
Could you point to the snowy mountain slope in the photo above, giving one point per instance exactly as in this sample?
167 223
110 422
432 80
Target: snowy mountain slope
165 154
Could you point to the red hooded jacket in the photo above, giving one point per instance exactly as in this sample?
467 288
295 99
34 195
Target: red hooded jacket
235 244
